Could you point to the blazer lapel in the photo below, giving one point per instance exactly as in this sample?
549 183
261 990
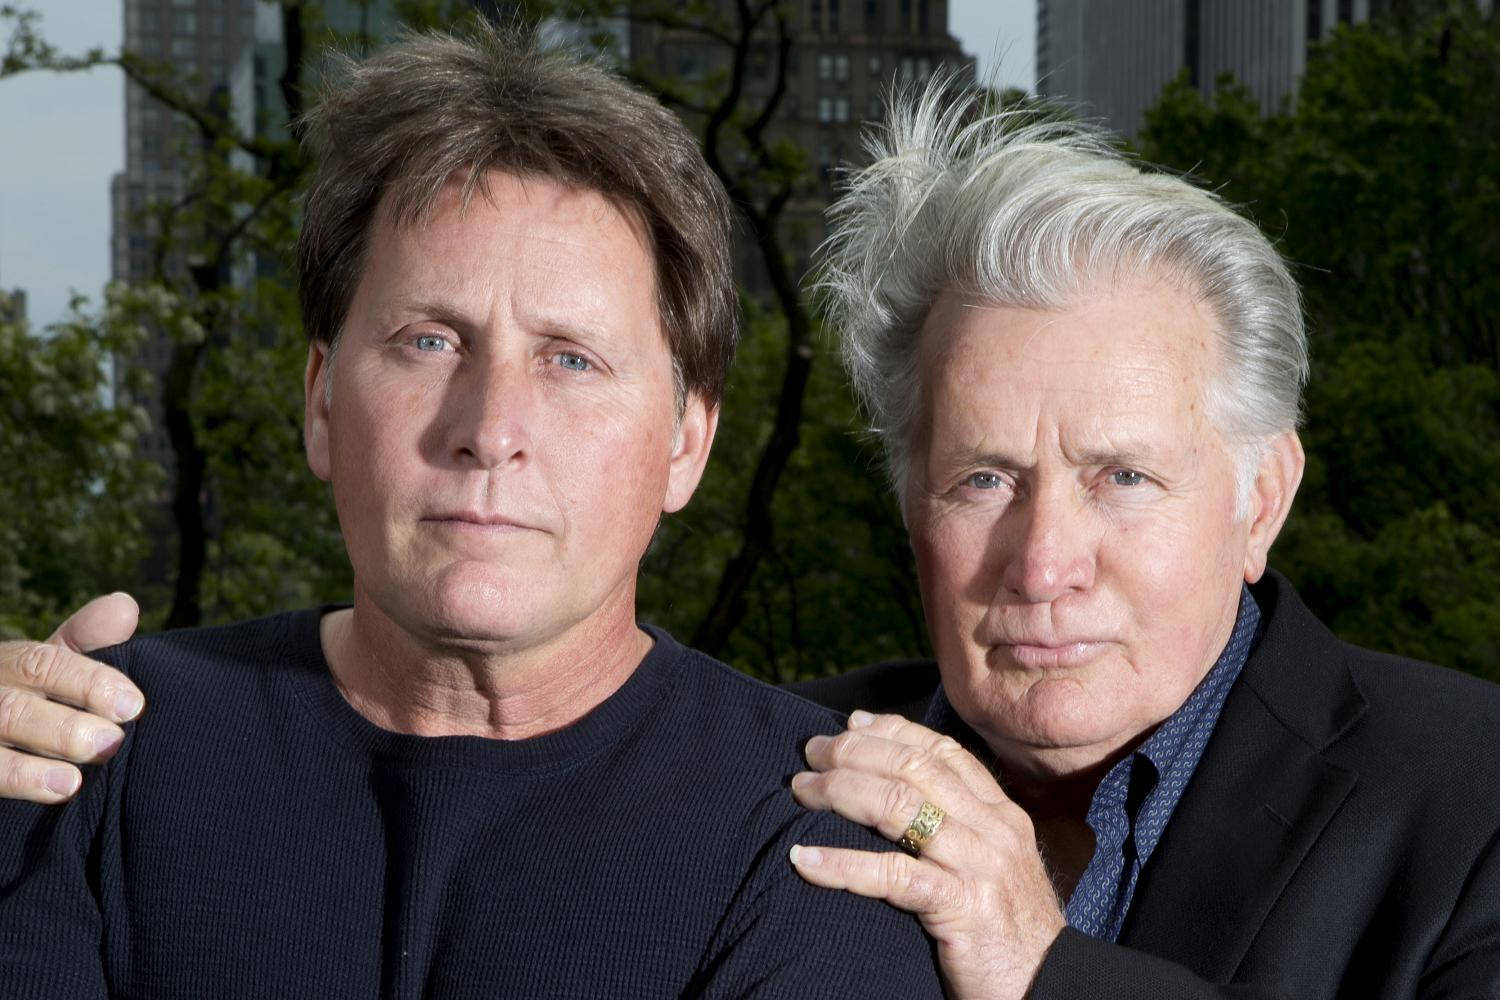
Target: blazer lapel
1260 798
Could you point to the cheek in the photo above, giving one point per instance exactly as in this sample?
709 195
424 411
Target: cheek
949 555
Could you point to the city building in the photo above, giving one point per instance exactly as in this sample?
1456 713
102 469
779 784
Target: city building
13 305
1111 58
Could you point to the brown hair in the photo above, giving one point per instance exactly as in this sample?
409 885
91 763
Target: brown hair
398 125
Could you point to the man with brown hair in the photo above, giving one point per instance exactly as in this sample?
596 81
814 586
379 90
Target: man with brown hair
483 778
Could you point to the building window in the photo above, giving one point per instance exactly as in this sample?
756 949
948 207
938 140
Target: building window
184 48
841 109
872 16
908 67
689 63
923 8
185 22
815 14
876 111
924 68
150 21
825 67
833 16
841 68
874 67
825 109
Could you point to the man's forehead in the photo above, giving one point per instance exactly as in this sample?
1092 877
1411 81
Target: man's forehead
410 204
1137 328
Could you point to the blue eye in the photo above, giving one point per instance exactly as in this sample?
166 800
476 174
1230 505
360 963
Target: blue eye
1126 477
985 481
430 342
573 362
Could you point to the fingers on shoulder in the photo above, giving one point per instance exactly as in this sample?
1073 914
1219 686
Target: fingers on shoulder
59 673
31 723
896 878
36 779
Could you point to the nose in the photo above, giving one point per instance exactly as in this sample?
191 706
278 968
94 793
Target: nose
1051 548
491 409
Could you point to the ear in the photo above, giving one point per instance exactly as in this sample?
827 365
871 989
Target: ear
695 436
315 410
1276 483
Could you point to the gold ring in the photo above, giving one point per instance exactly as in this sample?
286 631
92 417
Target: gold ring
922 828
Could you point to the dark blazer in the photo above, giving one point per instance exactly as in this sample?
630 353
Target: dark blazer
1340 837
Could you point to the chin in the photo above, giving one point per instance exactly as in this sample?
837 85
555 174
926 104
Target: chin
477 603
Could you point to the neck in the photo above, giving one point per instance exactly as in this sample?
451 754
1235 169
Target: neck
1058 804
408 683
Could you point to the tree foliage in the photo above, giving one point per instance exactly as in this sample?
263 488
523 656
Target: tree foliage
75 494
1382 185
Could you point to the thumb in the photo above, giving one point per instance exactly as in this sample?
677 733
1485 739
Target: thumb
104 621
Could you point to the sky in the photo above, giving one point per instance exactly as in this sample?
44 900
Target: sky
62 137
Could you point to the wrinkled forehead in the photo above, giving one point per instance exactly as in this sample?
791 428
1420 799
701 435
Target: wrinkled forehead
1159 325
1133 362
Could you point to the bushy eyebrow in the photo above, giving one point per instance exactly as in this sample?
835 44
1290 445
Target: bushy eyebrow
1127 455
440 311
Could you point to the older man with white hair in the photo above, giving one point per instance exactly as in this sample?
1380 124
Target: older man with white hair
1145 769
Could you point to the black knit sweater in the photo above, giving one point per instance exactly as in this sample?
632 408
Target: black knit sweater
256 837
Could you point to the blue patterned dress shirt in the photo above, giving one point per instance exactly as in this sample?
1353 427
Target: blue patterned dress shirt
1131 806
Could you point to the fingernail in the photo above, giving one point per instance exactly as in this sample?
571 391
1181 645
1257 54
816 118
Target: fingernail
805 857
817 743
61 780
802 779
105 740
860 718
128 705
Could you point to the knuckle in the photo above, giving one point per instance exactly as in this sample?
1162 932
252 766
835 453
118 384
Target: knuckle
37 663
910 760
947 748
893 871
13 773
75 737
98 688
15 710
897 806
836 748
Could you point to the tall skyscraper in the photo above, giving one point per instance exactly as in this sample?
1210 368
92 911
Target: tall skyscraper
1112 58
13 305
200 41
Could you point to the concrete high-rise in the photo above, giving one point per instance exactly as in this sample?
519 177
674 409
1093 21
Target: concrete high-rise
1111 58
199 41
13 305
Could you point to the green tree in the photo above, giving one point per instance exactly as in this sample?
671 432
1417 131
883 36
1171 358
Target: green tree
1382 185
76 495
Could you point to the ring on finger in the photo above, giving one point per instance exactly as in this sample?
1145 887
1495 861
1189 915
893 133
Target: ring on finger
922 828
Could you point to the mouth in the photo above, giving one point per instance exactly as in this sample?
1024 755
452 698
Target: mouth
1053 655
476 521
